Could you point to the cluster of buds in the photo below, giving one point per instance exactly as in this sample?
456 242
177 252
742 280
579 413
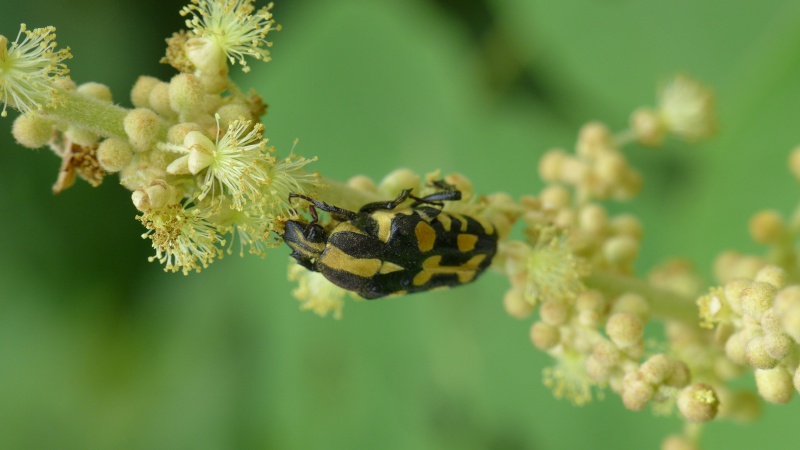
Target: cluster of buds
191 151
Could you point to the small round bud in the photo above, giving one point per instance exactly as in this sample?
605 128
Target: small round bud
554 312
786 298
757 298
64 83
515 304
140 94
141 126
648 127
141 200
606 353
594 138
185 94
679 376
596 370
698 403
362 183
177 133
554 197
733 293
636 392
624 329
31 130
774 385
770 322
114 154
621 249
790 321
778 345
159 100
593 218
544 336
632 303
773 275
399 180
81 137
233 111
767 226
678 443
656 369
159 194
627 224
551 165
574 171
735 349
757 355
96 90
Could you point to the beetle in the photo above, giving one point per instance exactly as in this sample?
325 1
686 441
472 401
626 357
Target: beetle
386 248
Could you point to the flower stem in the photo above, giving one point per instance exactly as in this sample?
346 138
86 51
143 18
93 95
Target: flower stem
100 117
663 303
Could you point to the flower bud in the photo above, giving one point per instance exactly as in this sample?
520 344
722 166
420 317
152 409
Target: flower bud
636 392
698 403
773 275
757 298
398 180
551 165
140 94
362 183
757 355
114 154
774 385
679 376
141 126
778 345
632 303
544 336
185 94
767 226
735 348
159 100
95 90
621 249
554 312
624 329
32 130
554 197
648 127
656 369
515 304
233 111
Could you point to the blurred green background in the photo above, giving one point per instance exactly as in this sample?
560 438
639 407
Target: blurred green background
100 349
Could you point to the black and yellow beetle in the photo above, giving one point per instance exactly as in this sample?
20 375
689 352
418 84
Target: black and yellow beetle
389 249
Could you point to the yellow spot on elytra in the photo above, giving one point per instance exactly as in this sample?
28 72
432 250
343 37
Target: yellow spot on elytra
339 260
389 267
445 220
384 220
426 236
466 242
432 266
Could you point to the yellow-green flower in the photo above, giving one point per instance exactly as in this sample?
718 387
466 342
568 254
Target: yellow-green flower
28 69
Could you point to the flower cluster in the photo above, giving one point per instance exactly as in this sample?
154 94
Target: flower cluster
191 151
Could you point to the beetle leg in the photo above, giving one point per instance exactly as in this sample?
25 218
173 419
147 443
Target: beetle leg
333 210
374 206
448 193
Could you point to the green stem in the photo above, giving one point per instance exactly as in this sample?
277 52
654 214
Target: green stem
100 117
663 304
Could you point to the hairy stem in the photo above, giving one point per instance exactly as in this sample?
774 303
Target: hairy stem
663 304
100 117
